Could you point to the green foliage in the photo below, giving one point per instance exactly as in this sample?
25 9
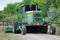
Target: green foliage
11 11
27 1
0 11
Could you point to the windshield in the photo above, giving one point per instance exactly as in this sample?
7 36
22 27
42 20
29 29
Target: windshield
37 17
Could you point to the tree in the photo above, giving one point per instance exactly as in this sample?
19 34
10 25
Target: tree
26 1
11 11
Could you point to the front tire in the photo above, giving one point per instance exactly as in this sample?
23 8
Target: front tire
15 26
23 31
53 30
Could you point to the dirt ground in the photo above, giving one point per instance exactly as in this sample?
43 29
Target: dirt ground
10 36
28 36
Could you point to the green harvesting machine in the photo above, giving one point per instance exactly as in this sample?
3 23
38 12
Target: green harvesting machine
34 20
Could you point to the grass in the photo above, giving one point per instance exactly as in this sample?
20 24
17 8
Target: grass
57 29
9 36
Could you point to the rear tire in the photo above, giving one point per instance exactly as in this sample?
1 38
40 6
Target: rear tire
44 29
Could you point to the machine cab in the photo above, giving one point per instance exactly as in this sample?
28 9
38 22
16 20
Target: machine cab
32 14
